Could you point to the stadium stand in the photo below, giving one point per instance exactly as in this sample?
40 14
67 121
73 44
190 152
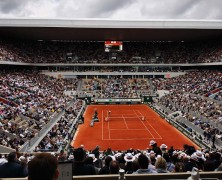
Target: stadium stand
199 159
28 101
189 98
36 114
56 137
93 52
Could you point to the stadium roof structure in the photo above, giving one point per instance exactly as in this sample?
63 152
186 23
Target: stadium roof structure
103 29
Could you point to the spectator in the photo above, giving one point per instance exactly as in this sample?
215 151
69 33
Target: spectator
91 160
193 162
155 148
143 164
79 168
217 159
170 165
12 169
135 165
114 167
105 168
161 165
62 156
129 158
2 159
163 148
43 166
179 167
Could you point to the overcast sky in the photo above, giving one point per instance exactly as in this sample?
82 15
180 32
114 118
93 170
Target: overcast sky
112 9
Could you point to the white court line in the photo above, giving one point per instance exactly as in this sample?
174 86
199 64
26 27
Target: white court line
144 125
108 129
102 124
139 112
152 126
147 129
125 122
127 129
134 139
154 129
126 117
134 112
119 115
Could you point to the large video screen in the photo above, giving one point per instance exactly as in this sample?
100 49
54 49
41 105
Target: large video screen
113 46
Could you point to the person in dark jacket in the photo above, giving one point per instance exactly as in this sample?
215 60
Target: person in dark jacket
79 167
155 148
105 169
12 169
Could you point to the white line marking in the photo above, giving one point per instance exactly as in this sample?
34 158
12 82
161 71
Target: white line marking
108 129
147 129
128 129
125 122
154 129
139 112
102 124
145 126
133 139
125 116
151 126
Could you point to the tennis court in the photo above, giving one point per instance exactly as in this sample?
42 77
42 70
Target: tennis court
126 126
131 124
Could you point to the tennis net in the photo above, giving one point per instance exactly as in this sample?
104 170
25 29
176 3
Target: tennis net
134 118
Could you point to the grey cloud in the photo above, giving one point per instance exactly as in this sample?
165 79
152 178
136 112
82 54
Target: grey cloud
184 6
203 9
186 9
113 9
9 6
173 9
106 7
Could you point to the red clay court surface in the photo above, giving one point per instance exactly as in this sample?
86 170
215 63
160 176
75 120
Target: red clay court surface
126 129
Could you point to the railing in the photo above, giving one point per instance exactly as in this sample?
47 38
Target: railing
203 175
5 149
72 130
29 145
160 176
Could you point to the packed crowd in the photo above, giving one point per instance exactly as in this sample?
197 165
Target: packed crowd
56 137
218 96
196 82
28 101
156 159
189 103
187 94
116 87
93 52
210 132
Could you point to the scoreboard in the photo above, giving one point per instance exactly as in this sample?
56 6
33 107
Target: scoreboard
113 46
